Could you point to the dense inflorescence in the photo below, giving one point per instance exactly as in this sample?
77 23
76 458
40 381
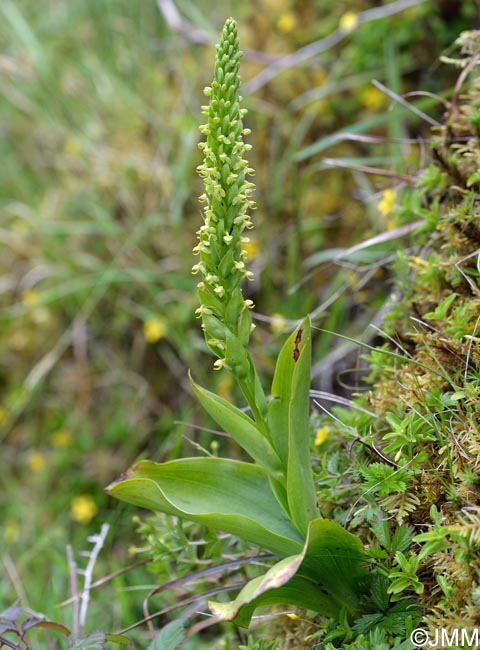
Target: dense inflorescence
227 199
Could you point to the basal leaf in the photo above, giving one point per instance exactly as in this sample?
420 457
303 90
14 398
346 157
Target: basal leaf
241 428
298 591
335 558
329 576
228 495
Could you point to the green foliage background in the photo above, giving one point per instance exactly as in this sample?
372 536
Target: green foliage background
99 119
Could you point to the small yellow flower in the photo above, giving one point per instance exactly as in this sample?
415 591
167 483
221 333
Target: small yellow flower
61 438
278 324
72 147
11 532
36 461
251 247
373 98
387 204
348 21
321 435
417 263
293 617
30 298
286 22
83 509
154 329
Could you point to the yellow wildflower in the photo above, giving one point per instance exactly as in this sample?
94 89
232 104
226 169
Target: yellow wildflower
292 616
11 532
83 509
387 204
36 461
61 438
321 435
373 98
72 147
30 298
154 329
348 21
286 22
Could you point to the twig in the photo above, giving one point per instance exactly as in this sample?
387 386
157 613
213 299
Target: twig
198 36
312 49
98 541
373 449
104 580
178 24
388 235
378 171
403 102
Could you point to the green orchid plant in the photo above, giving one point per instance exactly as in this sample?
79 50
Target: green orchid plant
270 501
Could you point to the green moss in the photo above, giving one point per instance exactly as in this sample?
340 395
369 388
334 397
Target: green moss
419 461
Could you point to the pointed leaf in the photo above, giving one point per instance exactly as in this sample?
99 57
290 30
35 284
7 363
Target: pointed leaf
289 423
241 428
170 636
12 613
32 622
94 641
229 495
329 576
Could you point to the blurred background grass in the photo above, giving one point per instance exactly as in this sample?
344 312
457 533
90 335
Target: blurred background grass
99 114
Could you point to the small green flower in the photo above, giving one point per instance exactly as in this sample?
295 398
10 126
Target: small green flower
227 199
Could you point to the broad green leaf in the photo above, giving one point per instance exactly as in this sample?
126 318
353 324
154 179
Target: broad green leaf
240 427
335 558
289 423
298 591
328 576
228 495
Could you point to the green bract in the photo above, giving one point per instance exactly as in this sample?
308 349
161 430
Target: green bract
269 502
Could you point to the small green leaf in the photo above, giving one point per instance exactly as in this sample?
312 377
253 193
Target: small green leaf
228 495
94 641
441 310
170 637
242 428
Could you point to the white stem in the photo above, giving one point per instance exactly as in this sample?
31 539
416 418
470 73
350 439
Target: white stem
85 597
